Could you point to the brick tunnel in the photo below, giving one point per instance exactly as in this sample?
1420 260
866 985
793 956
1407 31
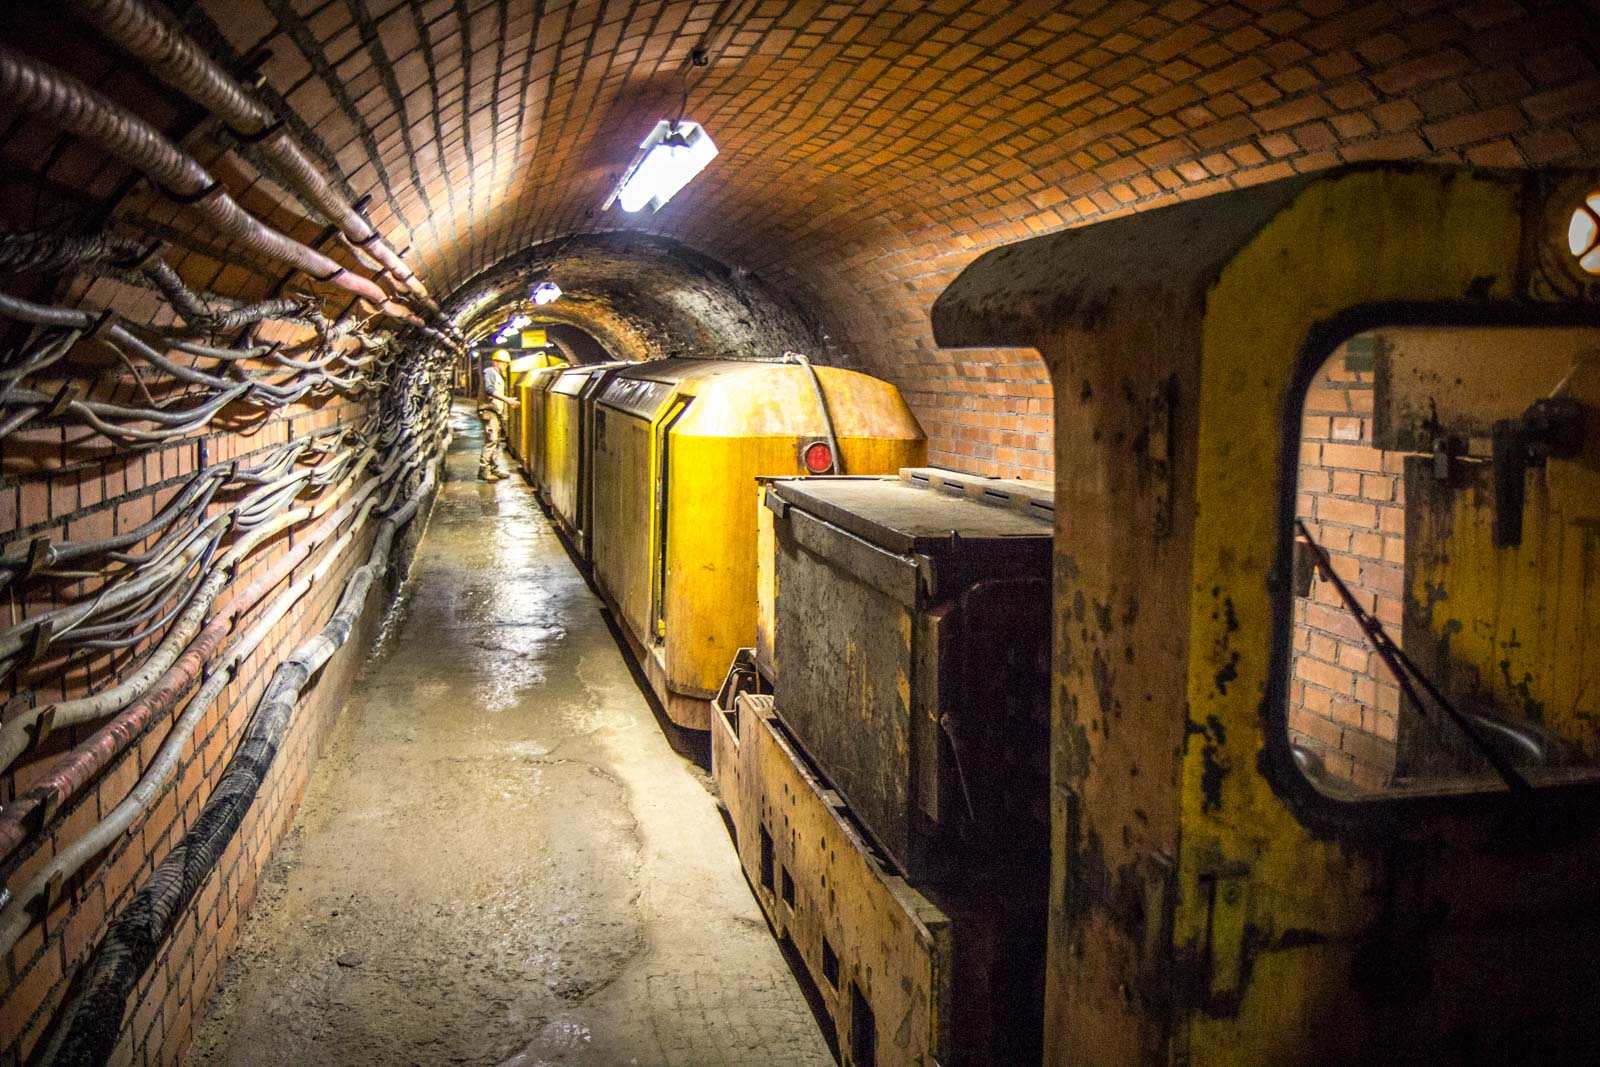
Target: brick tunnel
1158 440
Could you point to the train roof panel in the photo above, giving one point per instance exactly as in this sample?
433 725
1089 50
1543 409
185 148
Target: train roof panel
750 398
571 381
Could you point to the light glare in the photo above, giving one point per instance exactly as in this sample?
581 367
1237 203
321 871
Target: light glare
673 154
546 293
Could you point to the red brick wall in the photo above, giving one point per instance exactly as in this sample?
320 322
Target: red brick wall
69 483
1343 702
38 967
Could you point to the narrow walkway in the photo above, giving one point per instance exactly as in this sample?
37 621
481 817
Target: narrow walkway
500 860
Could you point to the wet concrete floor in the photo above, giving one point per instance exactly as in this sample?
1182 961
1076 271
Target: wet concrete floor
500 858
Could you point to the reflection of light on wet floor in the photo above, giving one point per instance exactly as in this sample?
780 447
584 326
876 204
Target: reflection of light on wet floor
560 1036
515 660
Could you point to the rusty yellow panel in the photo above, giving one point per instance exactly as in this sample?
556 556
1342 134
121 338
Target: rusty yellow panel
1513 630
1516 621
766 586
624 495
1307 896
820 884
711 540
561 456
1431 381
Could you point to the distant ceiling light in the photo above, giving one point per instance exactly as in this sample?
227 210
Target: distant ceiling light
546 293
673 153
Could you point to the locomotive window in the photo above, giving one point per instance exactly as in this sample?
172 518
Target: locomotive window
1445 629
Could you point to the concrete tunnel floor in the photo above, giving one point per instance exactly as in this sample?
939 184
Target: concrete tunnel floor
500 858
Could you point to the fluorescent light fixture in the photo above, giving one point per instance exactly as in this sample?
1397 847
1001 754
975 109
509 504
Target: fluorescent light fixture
673 153
546 293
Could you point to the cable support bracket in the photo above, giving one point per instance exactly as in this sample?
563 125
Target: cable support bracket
40 556
69 392
269 130
104 319
155 251
39 730
190 199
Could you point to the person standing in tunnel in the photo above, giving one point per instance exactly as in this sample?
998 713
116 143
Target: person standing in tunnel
495 404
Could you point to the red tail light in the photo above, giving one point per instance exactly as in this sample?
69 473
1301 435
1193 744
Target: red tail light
819 458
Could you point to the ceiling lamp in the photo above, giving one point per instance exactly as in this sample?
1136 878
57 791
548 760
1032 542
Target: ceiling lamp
517 322
546 293
672 154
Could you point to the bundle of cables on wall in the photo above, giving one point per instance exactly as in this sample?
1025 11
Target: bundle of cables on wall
167 610
183 589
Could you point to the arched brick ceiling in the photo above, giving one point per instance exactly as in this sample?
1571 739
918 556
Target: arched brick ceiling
870 150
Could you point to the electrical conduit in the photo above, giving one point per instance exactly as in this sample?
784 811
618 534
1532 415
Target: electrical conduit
92 1019
29 85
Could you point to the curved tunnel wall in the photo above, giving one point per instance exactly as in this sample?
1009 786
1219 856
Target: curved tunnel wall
365 429
641 297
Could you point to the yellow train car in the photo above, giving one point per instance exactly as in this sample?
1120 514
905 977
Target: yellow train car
568 432
530 416
1325 736
678 445
518 374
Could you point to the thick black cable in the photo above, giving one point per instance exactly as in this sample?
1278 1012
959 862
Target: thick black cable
92 1020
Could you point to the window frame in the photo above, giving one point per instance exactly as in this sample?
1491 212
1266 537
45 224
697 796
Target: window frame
1382 815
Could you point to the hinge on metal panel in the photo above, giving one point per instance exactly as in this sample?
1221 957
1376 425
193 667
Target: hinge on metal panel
1227 895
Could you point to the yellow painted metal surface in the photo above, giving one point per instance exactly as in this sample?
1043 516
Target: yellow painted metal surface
1250 872
523 366
766 587
624 515
683 575
1521 624
1430 380
562 455
532 412
517 428
1208 904
820 884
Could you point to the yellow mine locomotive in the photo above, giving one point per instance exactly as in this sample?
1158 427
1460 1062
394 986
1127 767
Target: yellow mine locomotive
1326 684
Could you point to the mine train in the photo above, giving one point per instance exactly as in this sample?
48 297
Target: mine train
1266 733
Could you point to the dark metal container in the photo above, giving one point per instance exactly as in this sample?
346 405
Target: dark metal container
913 637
